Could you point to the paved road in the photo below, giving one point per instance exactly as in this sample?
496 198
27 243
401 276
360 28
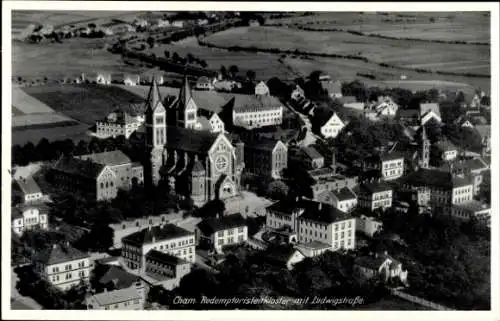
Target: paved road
310 136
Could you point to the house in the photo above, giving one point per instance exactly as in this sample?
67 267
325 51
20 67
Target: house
214 233
254 111
313 249
204 83
165 269
374 195
26 190
382 266
325 179
210 121
127 227
333 88
368 225
254 23
344 199
446 150
25 217
476 101
118 123
113 277
475 168
226 85
385 106
485 132
150 75
261 89
408 117
62 266
85 177
266 157
307 157
387 165
131 80
178 23
476 209
166 238
327 123
430 111
286 257
132 298
125 171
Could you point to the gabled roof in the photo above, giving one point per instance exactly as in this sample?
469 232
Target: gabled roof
117 296
112 158
190 140
374 261
428 107
118 276
345 194
27 185
153 99
435 177
254 103
17 211
59 253
156 233
262 144
211 225
185 92
375 187
311 152
445 145
282 255
324 213
83 168
164 258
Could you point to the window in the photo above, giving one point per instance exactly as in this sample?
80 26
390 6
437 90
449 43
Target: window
191 241
221 241
240 229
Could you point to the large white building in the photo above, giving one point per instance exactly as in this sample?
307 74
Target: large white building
254 111
389 166
327 124
29 217
375 195
215 233
166 238
131 298
118 123
63 266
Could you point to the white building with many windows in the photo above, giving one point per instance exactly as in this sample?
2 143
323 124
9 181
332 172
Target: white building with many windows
254 111
29 217
214 233
166 238
389 166
63 266
375 195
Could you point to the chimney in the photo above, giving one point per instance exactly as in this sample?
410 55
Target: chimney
54 246
320 206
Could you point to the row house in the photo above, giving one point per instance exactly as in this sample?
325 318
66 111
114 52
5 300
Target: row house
28 217
62 266
266 158
166 238
214 233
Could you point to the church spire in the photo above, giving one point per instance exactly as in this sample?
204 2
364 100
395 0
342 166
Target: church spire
185 92
154 97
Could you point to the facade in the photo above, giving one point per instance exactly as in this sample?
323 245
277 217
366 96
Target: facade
131 80
204 83
328 125
166 238
126 171
210 122
466 211
63 266
333 88
261 89
297 94
166 269
325 179
29 217
368 225
255 111
214 233
382 266
131 298
343 199
447 150
307 157
103 79
389 166
196 164
85 177
26 190
286 258
385 107
429 111
118 123
267 158
375 195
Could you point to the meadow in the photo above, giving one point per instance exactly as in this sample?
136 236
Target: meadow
404 53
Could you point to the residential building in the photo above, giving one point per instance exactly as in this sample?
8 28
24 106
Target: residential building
27 217
466 211
118 123
286 258
128 227
103 79
343 199
446 150
374 195
131 298
485 133
226 85
261 89
388 166
284 215
409 117
126 171
333 88
385 106
313 249
165 269
381 265
26 190
368 225
325 179
254 111
62 266
113 277
430 111
476 169
85 177
307 157
131 80
351 102
327 123
204 83
166 238
266 157
214 233
211 122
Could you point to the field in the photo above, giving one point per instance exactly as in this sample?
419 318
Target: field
450 26
265 65
85 103
402 53
76 132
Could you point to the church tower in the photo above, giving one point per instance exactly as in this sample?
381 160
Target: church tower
426 148
186 109
156 134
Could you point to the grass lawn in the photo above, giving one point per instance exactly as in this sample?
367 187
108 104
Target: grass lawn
86 103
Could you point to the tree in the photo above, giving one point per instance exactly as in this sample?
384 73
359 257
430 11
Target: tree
203 64
223 71
251 75
190 58
233 69
277 189
151 42
175 56
167 54
460 98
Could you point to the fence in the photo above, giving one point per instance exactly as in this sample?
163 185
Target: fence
420 301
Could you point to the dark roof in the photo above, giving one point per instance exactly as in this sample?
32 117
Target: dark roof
153 99
375 187
435 177
118 276
189 139
59 253
251 103
345 194
311 152
325 213
164 258
112 158
74 166
28 185
158 233
211 225
385 156
262 144
408 113
17 211
445 145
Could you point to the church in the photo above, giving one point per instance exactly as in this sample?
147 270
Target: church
194 161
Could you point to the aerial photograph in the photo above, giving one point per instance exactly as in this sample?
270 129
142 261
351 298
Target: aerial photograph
252 160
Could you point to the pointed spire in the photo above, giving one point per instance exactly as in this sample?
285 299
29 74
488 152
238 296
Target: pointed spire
153 96
185 92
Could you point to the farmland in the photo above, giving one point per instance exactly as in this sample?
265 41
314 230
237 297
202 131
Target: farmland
85 103
402 53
